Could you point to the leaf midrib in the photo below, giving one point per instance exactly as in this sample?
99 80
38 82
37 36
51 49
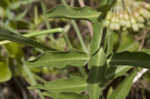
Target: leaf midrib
69 87
66 59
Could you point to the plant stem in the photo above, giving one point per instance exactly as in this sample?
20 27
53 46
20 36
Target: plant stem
46 19
36 16
39 78
4 42
97 62
89 25
32 79
79 36
77 30
36 33
66 29
64 3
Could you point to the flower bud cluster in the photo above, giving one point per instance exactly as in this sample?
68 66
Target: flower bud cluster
128 14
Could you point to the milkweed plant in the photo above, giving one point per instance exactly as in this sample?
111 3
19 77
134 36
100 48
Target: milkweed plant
97 61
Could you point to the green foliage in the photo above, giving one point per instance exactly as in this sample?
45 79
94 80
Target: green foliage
139 59
96 75
5 73
123 89
73 13
73 84
127 43
114 72
61 59
7 35
14 50
65 95
111 54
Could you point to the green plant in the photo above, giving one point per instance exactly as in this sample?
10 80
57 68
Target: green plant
103 64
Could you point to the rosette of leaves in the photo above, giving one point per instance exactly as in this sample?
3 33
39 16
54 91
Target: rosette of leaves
128 14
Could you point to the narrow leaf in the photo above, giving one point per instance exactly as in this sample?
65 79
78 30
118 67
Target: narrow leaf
65 95
97 37
74 13
7 35
114 72
109 42
131 58
123 89
60 59
73 84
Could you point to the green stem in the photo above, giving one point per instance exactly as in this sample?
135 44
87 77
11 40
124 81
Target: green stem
36 16
97 37
64 3
36 33
96 63
46 19
32 79
66 29
79 36
76 30
39 78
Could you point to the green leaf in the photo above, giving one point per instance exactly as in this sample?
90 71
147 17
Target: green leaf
14 50
97 37
123 89
60 59
146 51
130 58
109 42
73 84
58 44
110 90
114 72
5 73
65 95
7 35
127 43
74 13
